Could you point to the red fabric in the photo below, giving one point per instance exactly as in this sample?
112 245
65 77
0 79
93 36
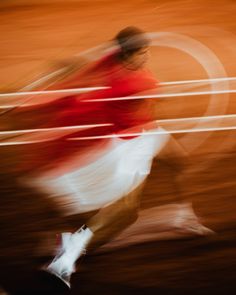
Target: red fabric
122 114
121 82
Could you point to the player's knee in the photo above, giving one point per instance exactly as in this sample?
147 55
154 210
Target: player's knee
131 210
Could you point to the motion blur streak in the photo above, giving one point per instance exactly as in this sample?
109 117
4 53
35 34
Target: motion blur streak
193 55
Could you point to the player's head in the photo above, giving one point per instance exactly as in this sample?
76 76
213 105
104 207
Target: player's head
134 45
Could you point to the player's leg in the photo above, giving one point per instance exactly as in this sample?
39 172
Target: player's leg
110 220
178 162
104 225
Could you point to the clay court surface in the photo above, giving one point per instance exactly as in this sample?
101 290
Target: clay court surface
36 34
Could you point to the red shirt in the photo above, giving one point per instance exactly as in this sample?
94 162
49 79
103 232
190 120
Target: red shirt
123 114
122 82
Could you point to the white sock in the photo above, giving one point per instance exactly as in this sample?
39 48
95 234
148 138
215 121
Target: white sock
79 241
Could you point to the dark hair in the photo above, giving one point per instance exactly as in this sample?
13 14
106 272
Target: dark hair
130 40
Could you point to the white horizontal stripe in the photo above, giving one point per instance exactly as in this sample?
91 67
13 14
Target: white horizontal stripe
76 90
81 90
199 81
12 132
23 131
156 96
22 142
197 118
126 135
164 95
156 133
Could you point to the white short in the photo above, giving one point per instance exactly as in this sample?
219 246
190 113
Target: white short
122 167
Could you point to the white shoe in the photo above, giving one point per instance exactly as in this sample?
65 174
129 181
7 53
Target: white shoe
61 271
187 222
72 247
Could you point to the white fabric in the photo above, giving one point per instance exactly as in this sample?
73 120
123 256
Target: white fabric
123 167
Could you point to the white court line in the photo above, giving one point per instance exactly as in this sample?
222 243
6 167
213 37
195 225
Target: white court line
23 131
198 81
156 96
22 142
80 90
155 133
126 135
163 95
31 86
197 118
75 90
12 132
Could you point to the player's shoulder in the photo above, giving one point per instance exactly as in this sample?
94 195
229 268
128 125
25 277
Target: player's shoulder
107 60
